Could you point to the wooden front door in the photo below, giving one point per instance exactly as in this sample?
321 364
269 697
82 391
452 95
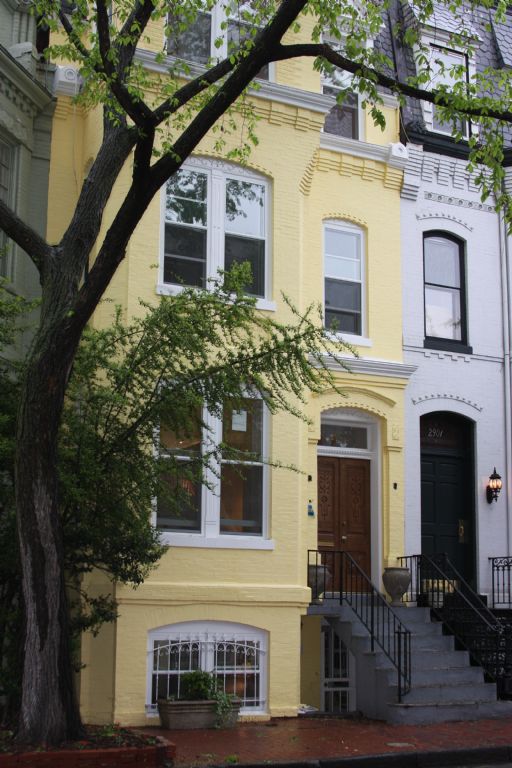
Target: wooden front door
344 507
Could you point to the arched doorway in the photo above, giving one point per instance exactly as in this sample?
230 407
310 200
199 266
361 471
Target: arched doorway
447 489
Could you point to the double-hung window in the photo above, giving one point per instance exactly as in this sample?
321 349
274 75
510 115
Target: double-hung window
445 310
212 34
344 277
447 68
213 219
233 501
7 176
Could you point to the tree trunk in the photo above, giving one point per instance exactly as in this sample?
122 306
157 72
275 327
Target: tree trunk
49 710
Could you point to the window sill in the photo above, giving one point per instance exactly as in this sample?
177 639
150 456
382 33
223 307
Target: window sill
166 289
352 339
447 345
197 540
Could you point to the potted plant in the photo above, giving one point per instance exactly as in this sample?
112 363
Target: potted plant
201 704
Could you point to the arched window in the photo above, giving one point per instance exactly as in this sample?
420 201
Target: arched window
344 277
234 653
445 295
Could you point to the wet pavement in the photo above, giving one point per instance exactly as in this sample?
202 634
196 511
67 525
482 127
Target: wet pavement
327 741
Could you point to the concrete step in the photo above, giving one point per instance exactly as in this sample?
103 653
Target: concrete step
416 714
450 692
433 641
448 675
426 659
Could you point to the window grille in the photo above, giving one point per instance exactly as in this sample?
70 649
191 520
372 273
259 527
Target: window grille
236 661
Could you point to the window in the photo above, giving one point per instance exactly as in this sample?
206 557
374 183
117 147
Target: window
344 273
212 34
7 160
234 653
443 60
233 502
445 316
343 119
214 219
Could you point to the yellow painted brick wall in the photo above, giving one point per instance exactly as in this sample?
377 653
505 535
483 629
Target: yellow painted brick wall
266 589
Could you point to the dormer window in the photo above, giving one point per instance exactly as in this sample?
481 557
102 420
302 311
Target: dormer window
447 66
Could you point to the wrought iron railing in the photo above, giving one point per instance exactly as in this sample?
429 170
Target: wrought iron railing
436 583
501 582
336 575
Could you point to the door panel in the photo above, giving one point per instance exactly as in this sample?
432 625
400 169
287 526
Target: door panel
344 507
445 510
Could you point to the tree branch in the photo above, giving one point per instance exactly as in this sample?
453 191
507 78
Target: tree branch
266 45
70 32
322 50
26 237
191 89
132 29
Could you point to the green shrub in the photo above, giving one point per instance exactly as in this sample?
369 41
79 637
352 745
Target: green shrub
198 686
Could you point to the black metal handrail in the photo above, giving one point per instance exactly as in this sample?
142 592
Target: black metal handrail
501 582
436 583
335 574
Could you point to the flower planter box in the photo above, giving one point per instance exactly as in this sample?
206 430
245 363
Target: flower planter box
188 715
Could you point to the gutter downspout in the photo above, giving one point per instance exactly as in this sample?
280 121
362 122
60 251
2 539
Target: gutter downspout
506 298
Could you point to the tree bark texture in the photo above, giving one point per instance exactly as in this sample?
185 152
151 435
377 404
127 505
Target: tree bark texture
49 710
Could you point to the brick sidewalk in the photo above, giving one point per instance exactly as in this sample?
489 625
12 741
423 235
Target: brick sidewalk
298 740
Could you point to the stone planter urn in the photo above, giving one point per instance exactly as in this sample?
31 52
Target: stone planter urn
396 580
187 715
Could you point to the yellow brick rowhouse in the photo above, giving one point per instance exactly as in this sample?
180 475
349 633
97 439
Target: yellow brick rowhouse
321 223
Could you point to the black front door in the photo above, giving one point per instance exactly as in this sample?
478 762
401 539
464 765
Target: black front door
447 506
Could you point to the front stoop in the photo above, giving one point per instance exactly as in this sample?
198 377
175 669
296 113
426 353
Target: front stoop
445 687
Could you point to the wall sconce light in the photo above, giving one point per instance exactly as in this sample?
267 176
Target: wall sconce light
493 487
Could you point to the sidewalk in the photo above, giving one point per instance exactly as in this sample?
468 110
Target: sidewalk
327 742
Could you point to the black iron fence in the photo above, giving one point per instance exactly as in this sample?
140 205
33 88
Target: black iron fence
436 583
501 582
336 575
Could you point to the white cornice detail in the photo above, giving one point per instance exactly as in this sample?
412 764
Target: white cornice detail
277 92
30 96
283 94
446 396
394 155
369 366
66 81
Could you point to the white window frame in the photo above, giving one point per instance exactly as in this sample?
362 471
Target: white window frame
217 172
206 634
8 258
210 535
442 42
347 226
219 16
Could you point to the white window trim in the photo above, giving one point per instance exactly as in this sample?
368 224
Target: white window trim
211 630
217 171
347 226
210 536
218 16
